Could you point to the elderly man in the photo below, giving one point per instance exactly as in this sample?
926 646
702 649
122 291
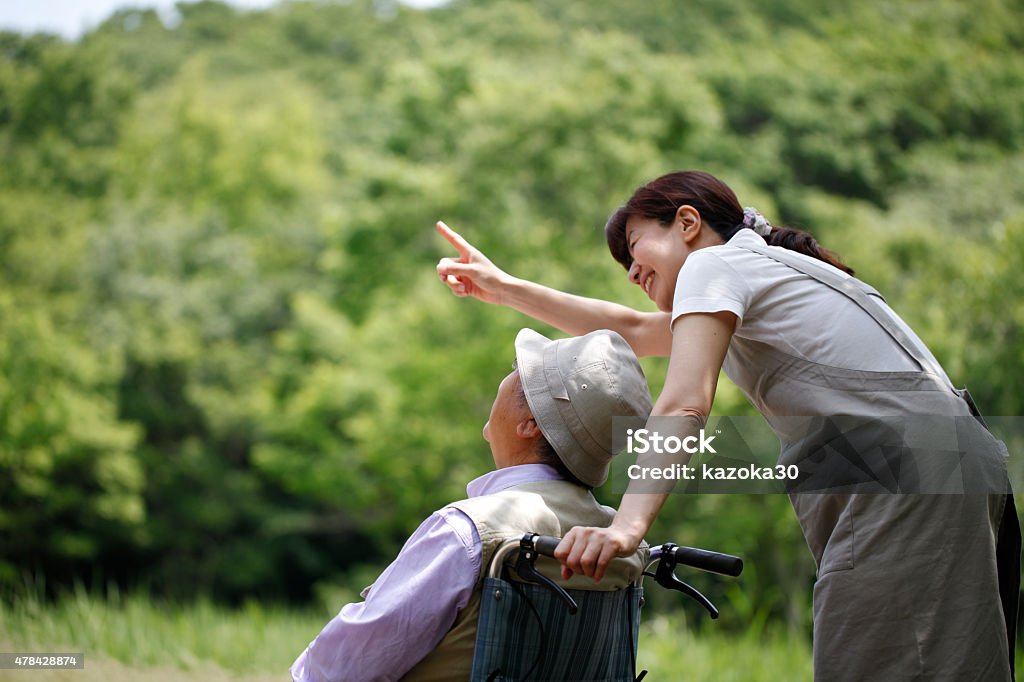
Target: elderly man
550 433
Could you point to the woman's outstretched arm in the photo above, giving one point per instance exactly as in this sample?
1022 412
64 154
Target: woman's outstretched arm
700 342
473 274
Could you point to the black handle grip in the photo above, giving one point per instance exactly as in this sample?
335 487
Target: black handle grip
725 564
546 545
715 562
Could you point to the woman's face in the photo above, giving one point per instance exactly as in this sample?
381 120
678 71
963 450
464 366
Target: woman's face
658 254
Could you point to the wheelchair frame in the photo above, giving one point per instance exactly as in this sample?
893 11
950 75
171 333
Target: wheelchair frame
664 558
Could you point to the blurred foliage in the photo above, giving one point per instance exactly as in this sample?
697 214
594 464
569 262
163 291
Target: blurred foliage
226 365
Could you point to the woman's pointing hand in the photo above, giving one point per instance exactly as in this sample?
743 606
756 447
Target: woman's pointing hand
472 273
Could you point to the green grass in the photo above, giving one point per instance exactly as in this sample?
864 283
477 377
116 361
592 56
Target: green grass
136 637
141 632
672 652
145 634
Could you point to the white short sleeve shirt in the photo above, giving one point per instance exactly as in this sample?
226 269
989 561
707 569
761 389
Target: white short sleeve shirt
787 309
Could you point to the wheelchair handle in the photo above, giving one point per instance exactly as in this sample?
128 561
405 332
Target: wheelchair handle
667 557
714 562
545 544
705 560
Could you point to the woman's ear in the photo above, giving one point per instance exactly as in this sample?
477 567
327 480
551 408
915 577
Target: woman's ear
688 221
528 428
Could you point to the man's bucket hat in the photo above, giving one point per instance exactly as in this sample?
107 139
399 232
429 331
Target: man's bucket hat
575 387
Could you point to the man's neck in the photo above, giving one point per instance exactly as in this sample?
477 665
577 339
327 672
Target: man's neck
507 477
513 458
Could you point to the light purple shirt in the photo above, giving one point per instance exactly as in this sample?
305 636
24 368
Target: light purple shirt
414 602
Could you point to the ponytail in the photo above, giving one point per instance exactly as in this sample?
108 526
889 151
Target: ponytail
805 243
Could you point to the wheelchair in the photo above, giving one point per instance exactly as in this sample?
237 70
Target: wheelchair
531 628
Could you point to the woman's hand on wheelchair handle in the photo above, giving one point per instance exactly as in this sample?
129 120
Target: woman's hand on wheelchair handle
589 550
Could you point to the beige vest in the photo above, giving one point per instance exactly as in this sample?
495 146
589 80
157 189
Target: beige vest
546 507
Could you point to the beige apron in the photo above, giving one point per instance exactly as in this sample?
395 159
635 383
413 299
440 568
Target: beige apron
908 585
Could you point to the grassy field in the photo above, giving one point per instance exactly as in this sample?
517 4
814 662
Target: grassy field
136 638
139 639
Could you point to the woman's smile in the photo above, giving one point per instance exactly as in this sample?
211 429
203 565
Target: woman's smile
658 252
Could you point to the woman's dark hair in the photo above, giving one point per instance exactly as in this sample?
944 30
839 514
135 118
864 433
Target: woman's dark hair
718 207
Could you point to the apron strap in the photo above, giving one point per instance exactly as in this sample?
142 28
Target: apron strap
858 292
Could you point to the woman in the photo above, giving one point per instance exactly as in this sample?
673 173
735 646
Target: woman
909 586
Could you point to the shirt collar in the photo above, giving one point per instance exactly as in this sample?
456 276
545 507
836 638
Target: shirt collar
500 479
746 236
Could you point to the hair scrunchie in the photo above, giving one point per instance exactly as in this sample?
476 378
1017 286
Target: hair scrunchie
753 219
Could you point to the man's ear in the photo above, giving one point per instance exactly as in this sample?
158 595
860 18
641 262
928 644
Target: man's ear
688 221
528 428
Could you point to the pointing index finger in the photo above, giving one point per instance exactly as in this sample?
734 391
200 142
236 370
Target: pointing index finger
455 239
